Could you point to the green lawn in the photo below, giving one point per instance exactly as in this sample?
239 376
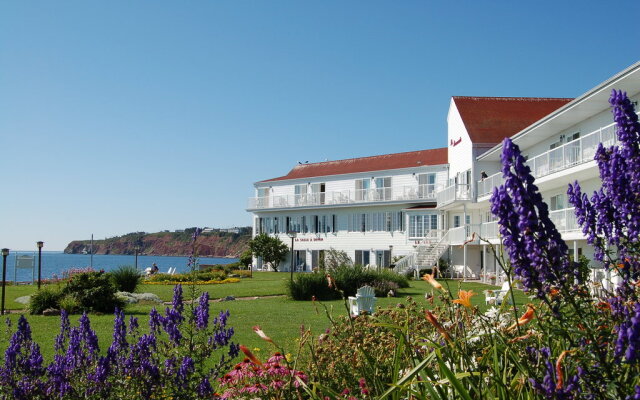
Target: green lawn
280 317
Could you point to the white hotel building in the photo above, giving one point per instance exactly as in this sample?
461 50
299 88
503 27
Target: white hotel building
431 204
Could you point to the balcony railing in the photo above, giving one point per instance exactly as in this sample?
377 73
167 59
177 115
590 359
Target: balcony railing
385 194
486 185
565 220
463 234
489 230
573 153
453 193
570 154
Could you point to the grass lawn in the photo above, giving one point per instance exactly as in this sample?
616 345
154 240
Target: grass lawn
280 317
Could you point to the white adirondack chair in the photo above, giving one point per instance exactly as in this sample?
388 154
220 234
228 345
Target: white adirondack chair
365 300
497 296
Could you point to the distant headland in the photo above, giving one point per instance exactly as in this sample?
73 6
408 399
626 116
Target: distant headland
211 243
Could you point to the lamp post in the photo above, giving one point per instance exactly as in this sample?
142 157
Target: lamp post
5 253
390 255
137 249
292 235
40 244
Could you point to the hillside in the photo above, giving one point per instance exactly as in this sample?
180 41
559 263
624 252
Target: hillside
213 244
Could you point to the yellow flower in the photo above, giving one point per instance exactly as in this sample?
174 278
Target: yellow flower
288 357
256 349
464 298
429 278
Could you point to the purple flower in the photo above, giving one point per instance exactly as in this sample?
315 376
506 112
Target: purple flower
119 343
536 250
201 313
628 340
612 216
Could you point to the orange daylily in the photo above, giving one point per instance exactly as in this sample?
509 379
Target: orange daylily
429 278
526 318
260 333
464 298
559 373
250 355
434 321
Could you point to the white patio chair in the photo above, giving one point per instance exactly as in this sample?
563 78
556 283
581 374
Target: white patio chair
365 300
497 296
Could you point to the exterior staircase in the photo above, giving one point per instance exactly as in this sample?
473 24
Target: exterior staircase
426 255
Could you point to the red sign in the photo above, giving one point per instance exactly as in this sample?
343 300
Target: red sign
454 143
316 239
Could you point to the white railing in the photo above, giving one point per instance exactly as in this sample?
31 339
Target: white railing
405 263
486 185
463 234
570 154
489 230
565 220
573 153
453 193
402 193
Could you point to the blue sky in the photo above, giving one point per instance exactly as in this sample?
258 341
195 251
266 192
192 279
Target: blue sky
124 116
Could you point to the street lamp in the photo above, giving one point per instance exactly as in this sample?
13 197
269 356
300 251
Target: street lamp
5 253
390 255
292 235
137 249
40 244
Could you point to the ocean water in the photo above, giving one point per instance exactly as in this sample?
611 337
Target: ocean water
54 263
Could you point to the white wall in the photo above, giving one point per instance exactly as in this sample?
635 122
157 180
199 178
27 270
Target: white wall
461 155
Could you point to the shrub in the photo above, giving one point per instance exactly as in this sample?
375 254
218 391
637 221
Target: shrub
125 278
382 288
348 279
188 277
47 297
93 291
70 304
304 286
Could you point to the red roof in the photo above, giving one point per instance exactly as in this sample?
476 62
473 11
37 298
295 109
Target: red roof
365 164
491 119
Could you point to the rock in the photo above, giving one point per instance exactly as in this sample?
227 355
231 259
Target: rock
229 298
23 300
50 312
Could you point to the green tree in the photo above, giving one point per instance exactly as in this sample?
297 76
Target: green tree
271 249
246 257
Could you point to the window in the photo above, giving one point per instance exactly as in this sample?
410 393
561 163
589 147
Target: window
434 221
300 197
467 219
383 258
456 221
572 137
288 224
318 193
362 257
316 224
426 185
334 223
557 202
362 189
304 227
383 188
363 222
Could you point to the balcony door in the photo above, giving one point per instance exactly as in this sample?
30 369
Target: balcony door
300 195
426 185
318 193
383 189
362 189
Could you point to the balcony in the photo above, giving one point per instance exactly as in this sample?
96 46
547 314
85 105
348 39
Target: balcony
453 193
465 234
565 220
359 196
489 230
573 153
569 155
486 185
